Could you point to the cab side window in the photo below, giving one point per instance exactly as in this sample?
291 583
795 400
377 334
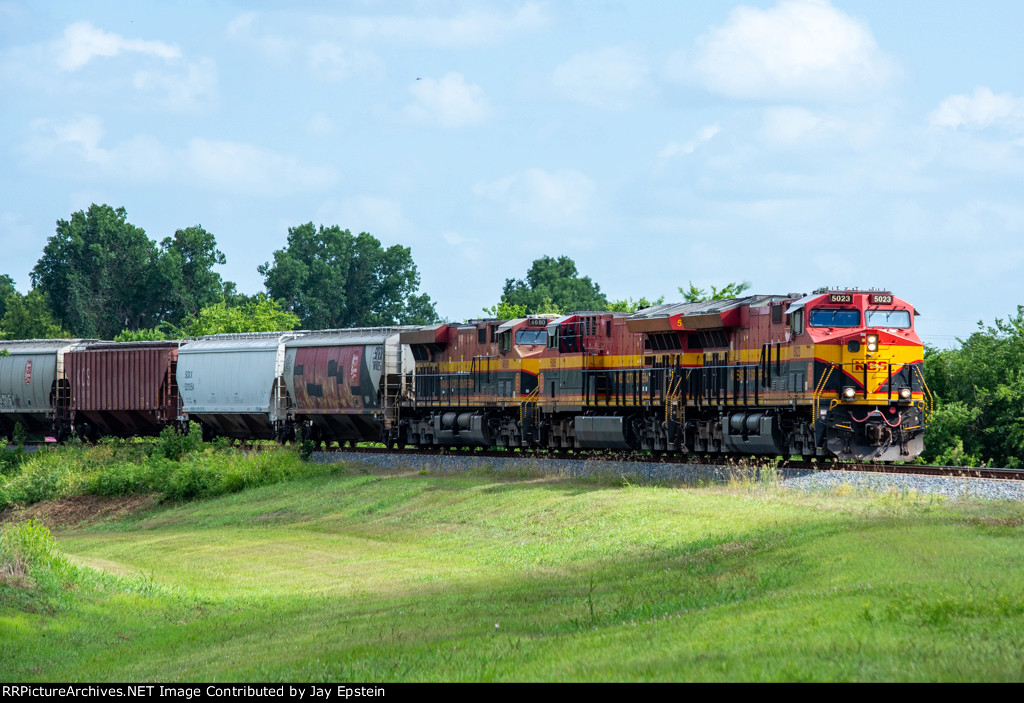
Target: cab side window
798 322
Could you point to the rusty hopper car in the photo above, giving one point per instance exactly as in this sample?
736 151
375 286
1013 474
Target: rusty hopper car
122 389
343 384
33 386
233 384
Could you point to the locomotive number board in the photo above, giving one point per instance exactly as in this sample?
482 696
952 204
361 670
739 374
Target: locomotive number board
880 299
840 298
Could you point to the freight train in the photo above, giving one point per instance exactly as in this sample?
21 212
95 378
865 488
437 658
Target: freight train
837 373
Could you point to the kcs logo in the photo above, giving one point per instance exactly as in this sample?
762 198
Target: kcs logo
872 366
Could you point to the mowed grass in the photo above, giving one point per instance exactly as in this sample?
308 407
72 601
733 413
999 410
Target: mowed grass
407 577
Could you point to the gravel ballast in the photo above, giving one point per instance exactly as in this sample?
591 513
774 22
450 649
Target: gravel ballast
646 472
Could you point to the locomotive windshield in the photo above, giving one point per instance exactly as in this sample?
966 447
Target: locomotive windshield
899 319
834 318
532 337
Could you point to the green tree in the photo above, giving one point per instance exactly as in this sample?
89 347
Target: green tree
102 274
150 334
99 273
232 298
186 262
331 278
630 305
29 317
980 397
7 289
693 294
504 311
554 285
258 314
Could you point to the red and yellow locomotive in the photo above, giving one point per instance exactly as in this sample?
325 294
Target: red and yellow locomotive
836 373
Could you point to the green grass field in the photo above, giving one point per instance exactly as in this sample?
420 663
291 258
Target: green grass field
356 576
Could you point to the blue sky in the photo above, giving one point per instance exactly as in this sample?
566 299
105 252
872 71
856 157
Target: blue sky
790 144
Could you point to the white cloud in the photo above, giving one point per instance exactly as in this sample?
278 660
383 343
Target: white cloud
704 135
242 25
983 109
798 49
332 61
83 134
609 78
225 166
472 28
340 46
52 68
553 199
320 125
274 47
253 170
82 42
795 125
78 141
181 90
449 102
455 239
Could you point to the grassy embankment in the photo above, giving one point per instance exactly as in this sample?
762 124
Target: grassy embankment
345 574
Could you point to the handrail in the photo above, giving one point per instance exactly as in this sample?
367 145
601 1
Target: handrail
819 389
929 406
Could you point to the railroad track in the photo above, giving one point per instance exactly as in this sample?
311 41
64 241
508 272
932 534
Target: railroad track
665 458
712 460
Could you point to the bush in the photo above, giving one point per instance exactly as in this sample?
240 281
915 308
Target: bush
19 435
11 460
175 445
29 558
40 479
180 466
259 470
120 479
192 480
25 545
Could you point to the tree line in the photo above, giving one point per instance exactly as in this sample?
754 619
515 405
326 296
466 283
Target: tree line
102 277
979 418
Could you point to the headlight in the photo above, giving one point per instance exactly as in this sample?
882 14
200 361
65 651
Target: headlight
904 393
849 392
872 342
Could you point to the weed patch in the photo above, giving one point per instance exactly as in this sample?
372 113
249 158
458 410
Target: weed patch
178 467
32 569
